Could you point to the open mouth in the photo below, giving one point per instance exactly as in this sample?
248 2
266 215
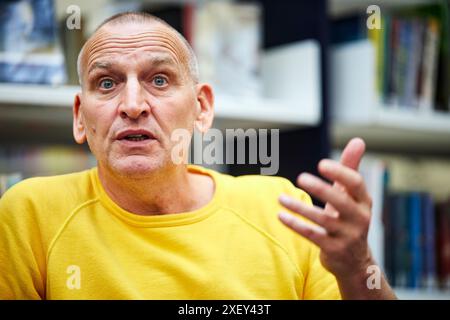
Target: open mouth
136 137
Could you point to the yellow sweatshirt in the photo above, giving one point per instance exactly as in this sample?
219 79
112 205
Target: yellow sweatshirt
62 237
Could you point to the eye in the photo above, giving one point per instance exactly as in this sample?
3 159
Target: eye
106 84
159 81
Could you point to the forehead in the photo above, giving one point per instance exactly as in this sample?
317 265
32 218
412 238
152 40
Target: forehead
151 39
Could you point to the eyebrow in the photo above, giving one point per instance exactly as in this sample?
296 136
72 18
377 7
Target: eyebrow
100 65
154 61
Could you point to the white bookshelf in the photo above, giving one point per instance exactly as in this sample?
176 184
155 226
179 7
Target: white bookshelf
51 105
293 104
357 110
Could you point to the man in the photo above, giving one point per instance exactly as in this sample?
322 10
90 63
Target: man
140 226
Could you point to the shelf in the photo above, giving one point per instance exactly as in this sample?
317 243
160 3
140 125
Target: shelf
47 105
422 294
358 111
398 130
235 112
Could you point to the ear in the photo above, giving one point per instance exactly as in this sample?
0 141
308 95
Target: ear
205 106
79 132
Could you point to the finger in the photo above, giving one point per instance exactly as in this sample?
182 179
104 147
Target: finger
315 234
350 179
313 213
341 201
353 152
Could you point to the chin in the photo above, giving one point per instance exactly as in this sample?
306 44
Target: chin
137 166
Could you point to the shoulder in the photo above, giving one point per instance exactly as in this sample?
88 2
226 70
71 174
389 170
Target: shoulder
263 188
41 189
44 202
254 200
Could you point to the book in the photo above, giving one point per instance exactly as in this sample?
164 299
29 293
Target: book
428 71
30 51
373 171
217 29
410 97
443 243
412 54
386 61
415 249
401 240
429 279
389 238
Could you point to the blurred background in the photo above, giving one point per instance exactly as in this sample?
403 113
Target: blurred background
320 71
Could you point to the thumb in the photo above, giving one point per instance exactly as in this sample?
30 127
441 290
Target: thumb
353 153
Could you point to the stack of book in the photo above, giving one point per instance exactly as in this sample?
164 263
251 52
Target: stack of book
409 233
412 53
417 240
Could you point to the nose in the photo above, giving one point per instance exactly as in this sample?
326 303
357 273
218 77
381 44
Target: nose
133 104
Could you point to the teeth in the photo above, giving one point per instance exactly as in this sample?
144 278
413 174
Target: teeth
136 137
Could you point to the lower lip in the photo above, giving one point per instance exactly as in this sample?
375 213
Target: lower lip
140 143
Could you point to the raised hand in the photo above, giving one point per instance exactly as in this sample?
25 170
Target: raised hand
341 228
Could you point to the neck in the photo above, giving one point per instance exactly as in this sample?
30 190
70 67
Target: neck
170 190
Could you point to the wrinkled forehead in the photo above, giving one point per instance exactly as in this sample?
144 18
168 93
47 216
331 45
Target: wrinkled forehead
132 37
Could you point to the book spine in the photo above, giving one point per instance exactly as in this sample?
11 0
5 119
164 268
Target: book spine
401 240
429 65
390 238
429 242
387 56
415 239
443 244
415 44
402 54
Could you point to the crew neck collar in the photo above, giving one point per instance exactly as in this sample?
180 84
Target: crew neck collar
164 220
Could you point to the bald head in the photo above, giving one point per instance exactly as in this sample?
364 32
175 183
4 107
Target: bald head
144 20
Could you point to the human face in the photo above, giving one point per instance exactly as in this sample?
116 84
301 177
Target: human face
136 91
